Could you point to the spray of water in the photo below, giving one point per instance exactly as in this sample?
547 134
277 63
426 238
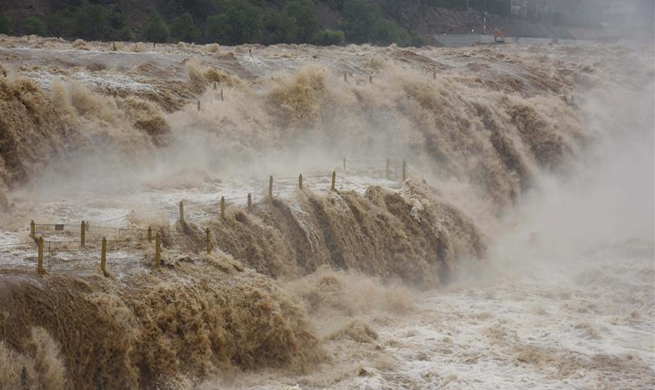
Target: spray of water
532 176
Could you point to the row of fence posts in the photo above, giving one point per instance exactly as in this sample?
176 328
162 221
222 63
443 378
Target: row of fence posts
103 251
270 194
222 96
370 76
85 226
103 257
300 186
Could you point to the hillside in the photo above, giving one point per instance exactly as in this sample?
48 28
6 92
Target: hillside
232 22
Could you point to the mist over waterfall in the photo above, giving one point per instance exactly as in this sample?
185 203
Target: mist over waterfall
465 216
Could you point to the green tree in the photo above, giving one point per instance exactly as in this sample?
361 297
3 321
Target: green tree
334 4
385 32
61 23
306 20
330 37
5 24
197 8
241 23
216 28
115 19
91 23
184 29
418 40
280 27
156 29
358 19
33 25
126 34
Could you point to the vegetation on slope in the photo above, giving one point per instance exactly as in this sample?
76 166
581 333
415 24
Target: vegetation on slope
229 22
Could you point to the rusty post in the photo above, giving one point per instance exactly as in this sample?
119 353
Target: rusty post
181 212
222 98
208 241
270 187
334 181
249 203
103 256
83 234
158 251
150 234
300 181
33 230
222 207
39 266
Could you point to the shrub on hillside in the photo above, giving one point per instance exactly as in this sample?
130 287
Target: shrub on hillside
5 24
33 25
330 37
156 29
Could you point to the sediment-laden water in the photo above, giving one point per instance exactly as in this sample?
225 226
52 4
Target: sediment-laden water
518 254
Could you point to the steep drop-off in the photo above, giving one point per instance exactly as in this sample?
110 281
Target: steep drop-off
479 128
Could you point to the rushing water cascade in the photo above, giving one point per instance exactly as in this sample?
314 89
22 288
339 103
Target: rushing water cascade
518 250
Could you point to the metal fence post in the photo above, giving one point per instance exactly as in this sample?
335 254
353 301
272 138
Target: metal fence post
249 203
103 256
270 187
334 181
387 169
33 230
158 251
300 181
208 241
40 256
149 233
181 212
404 171
83 234
222 207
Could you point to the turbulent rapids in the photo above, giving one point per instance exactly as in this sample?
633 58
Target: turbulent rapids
502 258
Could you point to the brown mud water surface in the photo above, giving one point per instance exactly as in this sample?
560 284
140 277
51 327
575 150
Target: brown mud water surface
198 316
472 236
